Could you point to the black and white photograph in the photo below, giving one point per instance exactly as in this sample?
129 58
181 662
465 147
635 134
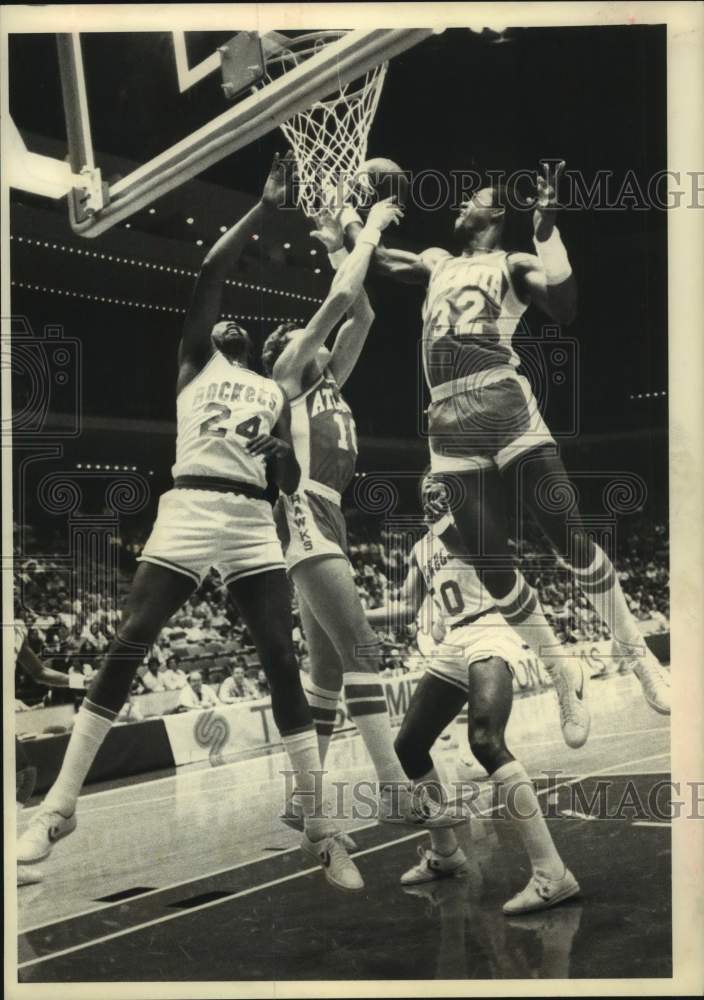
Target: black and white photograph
352 491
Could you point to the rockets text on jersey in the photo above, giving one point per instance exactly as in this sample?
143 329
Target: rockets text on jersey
470 315
324 436
217 413
451 581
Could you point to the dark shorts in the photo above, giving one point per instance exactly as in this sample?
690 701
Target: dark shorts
490 425
309 526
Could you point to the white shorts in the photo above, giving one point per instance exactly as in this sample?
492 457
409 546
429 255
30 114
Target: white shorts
196 530
487 637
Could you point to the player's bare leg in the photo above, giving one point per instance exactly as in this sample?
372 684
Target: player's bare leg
322 690
592 568
156 594
329 592
434 704
481 522
324 685
264 601
490 698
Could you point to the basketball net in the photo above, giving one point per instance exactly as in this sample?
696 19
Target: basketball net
329 139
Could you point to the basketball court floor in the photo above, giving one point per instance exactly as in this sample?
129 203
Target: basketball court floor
193 877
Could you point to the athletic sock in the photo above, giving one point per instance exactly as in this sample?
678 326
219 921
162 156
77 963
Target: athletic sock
323 708
366 704
93 722
302 749
442 839
517 794
600 584
522 610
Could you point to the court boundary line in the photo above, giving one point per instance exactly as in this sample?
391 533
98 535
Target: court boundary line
300 874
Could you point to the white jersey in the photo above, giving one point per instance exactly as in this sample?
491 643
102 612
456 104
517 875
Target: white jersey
451 581
221 409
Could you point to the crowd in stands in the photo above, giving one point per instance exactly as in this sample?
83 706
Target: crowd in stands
206 643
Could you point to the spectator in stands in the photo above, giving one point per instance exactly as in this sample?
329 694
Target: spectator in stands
172 676
152 679
263 688
237 686
196 694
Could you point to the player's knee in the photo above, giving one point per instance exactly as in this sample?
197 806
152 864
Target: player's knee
279 661
414 759
138 628
498 581
487 744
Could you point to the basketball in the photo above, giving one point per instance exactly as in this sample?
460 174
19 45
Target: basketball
385 179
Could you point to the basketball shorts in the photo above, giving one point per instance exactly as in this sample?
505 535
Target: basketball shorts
489 425
196 530
310 526
487 637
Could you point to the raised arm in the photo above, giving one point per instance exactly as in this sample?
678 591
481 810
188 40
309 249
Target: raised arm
196 346
546 280
351 338
277 450
401 265
345 288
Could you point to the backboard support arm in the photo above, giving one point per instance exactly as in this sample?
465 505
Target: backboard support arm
91 195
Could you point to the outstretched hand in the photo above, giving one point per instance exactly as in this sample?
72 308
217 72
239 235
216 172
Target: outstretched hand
329 231
383 213
280 180
545 203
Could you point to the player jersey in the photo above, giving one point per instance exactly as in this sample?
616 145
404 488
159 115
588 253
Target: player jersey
324 437
470 314
451 582
217 413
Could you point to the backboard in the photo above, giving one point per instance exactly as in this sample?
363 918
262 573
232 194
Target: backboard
217 96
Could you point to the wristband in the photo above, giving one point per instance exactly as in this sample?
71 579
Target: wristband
336 257
348 215
553 256
370 234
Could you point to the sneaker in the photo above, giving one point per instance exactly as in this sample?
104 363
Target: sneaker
293 818
542 892
413 807
340 870
653 681
43 831
575 719
434 866
29 875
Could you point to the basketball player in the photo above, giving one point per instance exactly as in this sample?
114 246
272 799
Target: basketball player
25 772
484 424
470 667
341 644
233 429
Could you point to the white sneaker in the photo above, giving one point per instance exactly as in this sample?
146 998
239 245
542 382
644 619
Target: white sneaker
433 866
293 818
44 830
542 892
340 870
653 681
413 807
575 719
29 875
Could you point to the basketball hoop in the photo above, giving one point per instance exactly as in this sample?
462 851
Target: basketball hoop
329 138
